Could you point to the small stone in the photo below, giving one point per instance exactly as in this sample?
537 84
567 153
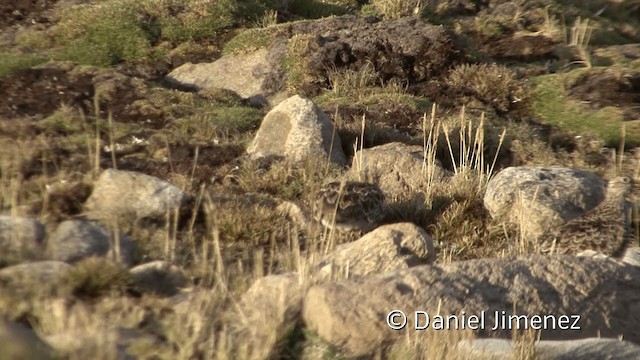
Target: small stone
159 277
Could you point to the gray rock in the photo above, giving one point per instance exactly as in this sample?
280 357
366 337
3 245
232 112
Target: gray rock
35 272
159 277
583 349
602 292
20 238
75 240
294 130
126 194
267 311
109 341
20 342
397 168
257 76
387 248
541 198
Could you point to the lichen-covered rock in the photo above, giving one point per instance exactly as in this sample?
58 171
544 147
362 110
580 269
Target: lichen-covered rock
295 130
387 248
540 198
603 292
397 168
128 194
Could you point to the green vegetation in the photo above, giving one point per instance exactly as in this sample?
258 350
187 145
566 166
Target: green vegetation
553 106
10 62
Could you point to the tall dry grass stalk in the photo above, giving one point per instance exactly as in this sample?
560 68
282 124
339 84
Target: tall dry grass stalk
471 154
579 37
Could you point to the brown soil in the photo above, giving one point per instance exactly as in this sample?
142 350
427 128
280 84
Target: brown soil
601 88
24 11
210 161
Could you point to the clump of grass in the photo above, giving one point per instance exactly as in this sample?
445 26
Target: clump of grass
249 40
95 277
313 9
294 63
11 62
395 9
495 85
199 20
218 123
115 31
578 40
102 34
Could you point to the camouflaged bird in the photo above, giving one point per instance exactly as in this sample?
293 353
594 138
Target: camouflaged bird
349 206
605 229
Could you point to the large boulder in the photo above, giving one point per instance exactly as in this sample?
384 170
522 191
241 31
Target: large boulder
398 169
267 311
20 238
565 297
75 240
294 130
121 194
387 248
583 349
257 76
540 198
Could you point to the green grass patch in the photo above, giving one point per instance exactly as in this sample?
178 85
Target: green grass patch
199 22
102 35
216 123
551 103
249 40
10 62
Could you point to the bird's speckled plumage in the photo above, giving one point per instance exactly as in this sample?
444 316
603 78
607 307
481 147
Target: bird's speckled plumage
349 206
605 229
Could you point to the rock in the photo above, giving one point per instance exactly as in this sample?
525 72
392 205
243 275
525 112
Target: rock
631 256
583 349
20 342
387 248
294 130
35 272
20 238
257 76
75 240
397 168
158 277
111 342
540 198
126 194
601 294
267 310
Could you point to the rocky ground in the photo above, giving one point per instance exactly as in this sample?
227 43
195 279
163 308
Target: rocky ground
158 160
